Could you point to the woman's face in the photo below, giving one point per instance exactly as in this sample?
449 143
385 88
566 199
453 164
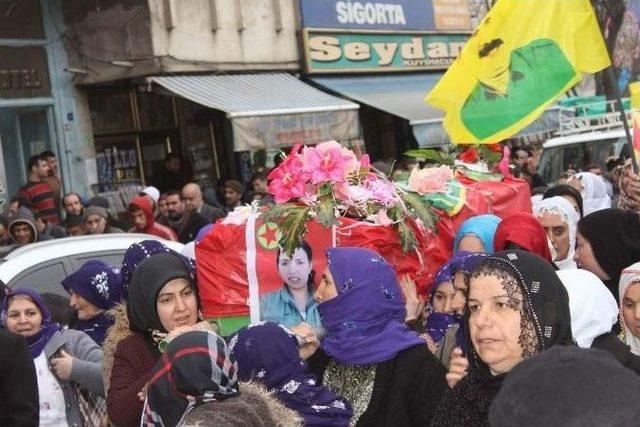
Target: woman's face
586 259
576 183
631 308
177 304
471 243
442 301
327 289
573 202
459 299
558 232
495 323
85 309
23 317
295 271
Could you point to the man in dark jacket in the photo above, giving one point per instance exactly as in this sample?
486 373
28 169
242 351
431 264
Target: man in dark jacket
19 405
185 223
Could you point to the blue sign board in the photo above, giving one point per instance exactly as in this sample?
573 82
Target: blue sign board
368 15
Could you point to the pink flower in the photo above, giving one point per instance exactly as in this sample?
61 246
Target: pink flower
382 218
288 181
382 191
430 180
358 194
329 162
365 163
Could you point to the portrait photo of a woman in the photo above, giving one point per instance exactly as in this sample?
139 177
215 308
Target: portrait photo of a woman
293 303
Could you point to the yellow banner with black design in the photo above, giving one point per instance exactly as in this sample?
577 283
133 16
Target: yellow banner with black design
522 57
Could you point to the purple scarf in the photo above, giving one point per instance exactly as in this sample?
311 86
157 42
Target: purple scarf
38 341
365 322
268 353
96 327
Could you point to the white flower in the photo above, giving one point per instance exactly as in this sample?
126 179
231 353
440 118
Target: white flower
238 216
338 404
291 386
101 283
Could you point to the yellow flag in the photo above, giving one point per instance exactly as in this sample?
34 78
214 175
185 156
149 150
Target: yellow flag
524 54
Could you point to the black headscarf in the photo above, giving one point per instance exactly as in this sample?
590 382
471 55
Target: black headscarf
566 190
146 283
546 322
614 236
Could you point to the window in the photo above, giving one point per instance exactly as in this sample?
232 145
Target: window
45 277
114 258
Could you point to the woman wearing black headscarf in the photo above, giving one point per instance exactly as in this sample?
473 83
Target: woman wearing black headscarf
162 298
570 193
516 307
608 241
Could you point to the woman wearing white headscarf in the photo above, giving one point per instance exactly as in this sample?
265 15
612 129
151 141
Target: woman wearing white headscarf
630 306
594 312
559 219
593 189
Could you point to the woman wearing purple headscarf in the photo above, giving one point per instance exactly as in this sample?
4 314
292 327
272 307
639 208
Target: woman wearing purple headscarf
380 366
63 358
268 353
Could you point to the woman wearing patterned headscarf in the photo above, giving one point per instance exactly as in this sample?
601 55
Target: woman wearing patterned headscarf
195 383
629 291
560 221
268 354
516 307
94 288
378 365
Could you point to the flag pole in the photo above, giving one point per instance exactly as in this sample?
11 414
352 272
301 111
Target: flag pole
610 78
608 72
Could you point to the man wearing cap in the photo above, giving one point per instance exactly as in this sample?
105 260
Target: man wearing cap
152 193
141 216
232 195
95 221
192 196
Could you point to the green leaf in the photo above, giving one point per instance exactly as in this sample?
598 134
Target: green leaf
430 154
326 213
407 238
292 222
421 209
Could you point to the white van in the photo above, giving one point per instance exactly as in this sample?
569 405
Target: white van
575 151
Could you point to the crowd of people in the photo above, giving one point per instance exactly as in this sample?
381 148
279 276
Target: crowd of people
534 320
176 209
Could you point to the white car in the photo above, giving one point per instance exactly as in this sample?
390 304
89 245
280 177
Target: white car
42 266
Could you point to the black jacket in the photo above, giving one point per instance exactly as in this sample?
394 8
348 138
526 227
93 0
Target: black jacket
194 222
406 391
19 404
610 343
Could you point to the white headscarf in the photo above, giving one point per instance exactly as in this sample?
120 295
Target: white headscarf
629 276
560 206
593 309
594 192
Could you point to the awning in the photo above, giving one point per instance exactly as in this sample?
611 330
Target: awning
269 110
401 95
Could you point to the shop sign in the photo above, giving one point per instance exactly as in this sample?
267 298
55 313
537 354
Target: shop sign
274 132
403 15
24 72
340 52
452 14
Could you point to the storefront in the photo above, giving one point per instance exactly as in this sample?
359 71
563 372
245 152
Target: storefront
386 56
224 125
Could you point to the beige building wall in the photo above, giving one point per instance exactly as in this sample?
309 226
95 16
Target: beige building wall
145 37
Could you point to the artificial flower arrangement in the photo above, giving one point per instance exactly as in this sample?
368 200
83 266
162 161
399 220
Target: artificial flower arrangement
328 181
478 162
